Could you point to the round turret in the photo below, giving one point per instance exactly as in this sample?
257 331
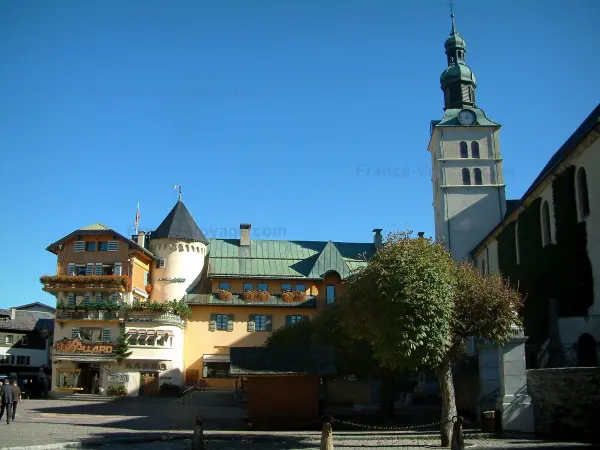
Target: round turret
180 249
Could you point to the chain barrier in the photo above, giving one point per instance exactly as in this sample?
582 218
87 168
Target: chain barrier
382 428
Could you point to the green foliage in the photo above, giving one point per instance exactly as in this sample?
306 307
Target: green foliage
561 271
402 302
180 308
121 351
484 306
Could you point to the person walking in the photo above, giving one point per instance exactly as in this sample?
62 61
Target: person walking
7 400
16 398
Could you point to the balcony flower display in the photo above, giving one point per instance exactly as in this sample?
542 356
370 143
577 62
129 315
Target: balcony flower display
122 280
256 296
148 288
224 295
299 296
287 296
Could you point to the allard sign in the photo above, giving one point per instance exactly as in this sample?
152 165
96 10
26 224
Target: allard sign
76 346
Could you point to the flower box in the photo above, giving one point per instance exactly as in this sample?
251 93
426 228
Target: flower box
256 296
224 295
287 297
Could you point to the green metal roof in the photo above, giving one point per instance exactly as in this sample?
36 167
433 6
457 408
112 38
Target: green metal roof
95 227
285 259
451 119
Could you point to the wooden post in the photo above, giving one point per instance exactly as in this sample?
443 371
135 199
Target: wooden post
327 434
198 439
458 440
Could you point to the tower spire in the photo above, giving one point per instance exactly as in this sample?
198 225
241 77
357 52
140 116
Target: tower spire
179 188
451 6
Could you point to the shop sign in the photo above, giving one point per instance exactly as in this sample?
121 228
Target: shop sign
172 280
118 378
76 346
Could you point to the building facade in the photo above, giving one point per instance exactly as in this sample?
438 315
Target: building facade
102 288
547 243
253 287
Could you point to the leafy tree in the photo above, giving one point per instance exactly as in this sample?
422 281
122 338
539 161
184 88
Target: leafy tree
121 350
485 307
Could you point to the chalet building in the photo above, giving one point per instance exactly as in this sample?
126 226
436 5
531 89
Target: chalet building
25 340
547 242
252 287
102 286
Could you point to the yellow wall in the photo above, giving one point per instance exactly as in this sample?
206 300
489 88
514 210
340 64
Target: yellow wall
139 269
199 340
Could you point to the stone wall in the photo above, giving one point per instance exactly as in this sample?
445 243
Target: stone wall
566 402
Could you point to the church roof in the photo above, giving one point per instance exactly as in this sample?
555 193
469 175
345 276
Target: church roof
179 224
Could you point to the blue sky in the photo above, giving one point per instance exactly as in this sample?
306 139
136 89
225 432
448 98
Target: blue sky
275 113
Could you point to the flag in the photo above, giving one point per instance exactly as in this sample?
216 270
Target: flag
137 218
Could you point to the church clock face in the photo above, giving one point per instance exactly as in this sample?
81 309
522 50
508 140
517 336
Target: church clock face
467 117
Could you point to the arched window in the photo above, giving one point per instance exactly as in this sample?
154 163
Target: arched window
517 250
464 150
477 176
466 177
546 230
586 351
475 150
582 194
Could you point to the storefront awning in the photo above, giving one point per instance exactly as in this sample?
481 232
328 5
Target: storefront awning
150 333
160 332
215 358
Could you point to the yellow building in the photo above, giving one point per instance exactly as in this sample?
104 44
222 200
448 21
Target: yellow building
252 287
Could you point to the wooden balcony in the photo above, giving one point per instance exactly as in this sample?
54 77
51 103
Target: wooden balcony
85 282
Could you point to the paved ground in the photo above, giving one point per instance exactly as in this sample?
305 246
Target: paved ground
99 423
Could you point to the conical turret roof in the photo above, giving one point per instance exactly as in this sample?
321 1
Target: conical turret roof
179 224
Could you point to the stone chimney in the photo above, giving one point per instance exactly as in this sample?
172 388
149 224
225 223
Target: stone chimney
245 234
13 313
141 240
378 238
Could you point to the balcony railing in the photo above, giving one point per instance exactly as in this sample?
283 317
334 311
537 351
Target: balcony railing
89 315
143 316
238 300
77 282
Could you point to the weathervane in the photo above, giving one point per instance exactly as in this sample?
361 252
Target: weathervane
178 187
451 6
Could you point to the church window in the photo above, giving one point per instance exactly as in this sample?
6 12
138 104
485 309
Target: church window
517 251
464 150
475 150
546 230
582 194
466 177
477 176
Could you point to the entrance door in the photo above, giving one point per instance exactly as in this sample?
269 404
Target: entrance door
148 383
89 379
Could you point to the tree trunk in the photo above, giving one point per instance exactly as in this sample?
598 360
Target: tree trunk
444 374
386 402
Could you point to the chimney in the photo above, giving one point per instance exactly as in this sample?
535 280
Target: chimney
13 313
245 234
421 234
141 240
378 238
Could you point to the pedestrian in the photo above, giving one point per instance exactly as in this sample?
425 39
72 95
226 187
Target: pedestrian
7 400
16 398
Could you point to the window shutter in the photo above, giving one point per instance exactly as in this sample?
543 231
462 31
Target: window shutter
212 325
251 322
71 270
118 269
106 335
268 323
89 269
288 321
160 263
79 246
145 278
98 298
305 318
87 299
71 299
74 333
230 321
113 299
98 268
113 246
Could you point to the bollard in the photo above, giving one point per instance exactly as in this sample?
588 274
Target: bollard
327 434
458 440
198 439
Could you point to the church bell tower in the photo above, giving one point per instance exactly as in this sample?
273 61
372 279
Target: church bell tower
467 176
